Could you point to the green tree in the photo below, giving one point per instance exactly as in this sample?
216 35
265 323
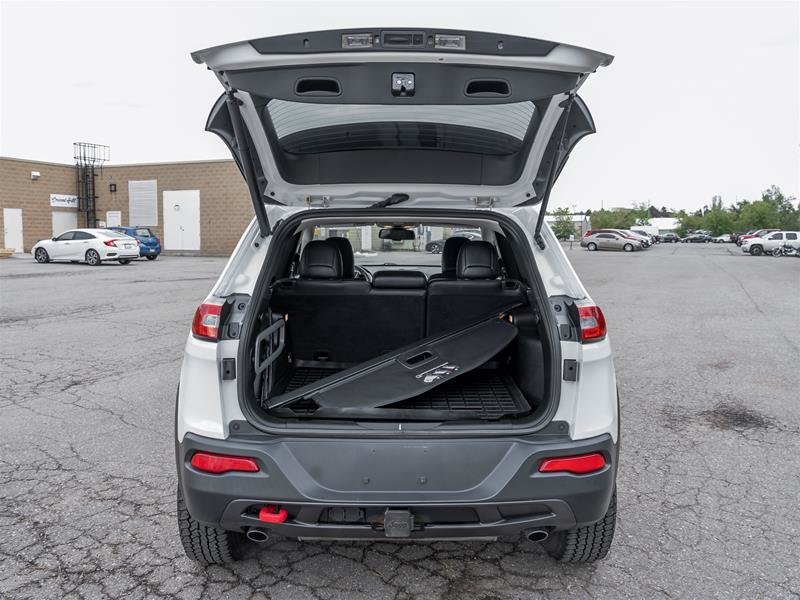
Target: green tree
759 215
563 226
613 219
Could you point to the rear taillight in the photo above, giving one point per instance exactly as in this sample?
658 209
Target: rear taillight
112 243
221 463
205 324
577 465
593 323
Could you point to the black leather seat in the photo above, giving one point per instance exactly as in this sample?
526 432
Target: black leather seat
325 312
476 293
449 257
346 252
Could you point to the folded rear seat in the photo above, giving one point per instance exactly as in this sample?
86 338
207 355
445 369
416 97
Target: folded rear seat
476 293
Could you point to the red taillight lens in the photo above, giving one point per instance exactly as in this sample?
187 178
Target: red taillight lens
593 323
220 463
205 324
112 243
578 465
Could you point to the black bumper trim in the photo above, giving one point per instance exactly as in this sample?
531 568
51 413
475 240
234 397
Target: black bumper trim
307 480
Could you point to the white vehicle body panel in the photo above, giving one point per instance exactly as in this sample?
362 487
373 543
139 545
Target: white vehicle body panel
207 404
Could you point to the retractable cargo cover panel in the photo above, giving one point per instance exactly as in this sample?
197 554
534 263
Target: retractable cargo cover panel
408 372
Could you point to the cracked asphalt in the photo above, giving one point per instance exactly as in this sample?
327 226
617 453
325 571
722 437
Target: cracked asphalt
706 343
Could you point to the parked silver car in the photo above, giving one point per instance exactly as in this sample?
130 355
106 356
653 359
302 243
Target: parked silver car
610 241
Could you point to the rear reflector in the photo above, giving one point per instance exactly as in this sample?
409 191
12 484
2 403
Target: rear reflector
593 323
220 463
578 465
205 325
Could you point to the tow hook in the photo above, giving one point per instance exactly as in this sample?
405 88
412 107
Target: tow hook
272 514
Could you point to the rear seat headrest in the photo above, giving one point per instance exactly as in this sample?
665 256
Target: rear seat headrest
348 259
452 246
320 260
477 260
399 280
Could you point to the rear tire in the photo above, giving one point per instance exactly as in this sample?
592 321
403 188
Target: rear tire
92 258
151 257
756 250
591 246
584 544
207 545
41 256
124 261
628 247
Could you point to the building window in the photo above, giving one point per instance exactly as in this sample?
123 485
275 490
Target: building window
142 202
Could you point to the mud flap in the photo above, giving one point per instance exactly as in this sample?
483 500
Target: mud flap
409 372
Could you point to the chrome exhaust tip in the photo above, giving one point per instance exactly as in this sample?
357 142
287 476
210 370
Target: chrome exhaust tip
537 535
257 535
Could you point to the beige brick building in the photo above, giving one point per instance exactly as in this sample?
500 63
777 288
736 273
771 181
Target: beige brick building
206 199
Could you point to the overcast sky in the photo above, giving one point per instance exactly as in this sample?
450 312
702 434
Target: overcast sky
702 98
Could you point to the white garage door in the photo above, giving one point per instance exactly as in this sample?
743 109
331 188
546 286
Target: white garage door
182 220
63 220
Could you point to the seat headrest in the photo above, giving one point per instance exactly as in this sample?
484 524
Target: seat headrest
399 280
452 246
348 259
320 260
477 260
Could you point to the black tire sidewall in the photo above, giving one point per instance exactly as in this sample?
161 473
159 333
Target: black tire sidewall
45 255
628 247
591 246
96 253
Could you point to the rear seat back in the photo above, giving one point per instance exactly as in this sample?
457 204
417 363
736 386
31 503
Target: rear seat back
325 312
476 293
345 320
396 308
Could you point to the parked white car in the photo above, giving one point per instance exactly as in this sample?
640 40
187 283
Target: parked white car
759 245
91 246
725 238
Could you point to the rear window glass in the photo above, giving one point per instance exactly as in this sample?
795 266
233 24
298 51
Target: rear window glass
143 231
424 250
484 129
113 234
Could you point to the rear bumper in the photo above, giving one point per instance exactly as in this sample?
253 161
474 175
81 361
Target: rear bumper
149 251
453 488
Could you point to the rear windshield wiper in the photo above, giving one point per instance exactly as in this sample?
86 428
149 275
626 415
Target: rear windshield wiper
393 199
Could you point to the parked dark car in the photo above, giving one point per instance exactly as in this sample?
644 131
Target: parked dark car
669 238
697 238
435 246
149 244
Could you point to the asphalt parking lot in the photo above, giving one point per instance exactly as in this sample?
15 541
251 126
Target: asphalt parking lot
706 342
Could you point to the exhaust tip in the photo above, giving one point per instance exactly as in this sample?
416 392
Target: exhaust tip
537 535
254 534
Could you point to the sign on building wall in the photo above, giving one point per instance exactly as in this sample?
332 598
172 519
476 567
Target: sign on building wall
64 200
142 202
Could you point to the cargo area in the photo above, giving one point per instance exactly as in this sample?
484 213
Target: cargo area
452 338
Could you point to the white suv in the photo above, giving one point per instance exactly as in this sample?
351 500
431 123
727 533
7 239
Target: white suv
771 241
327 393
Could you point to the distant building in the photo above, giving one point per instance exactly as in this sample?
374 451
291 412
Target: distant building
581 223
659 225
